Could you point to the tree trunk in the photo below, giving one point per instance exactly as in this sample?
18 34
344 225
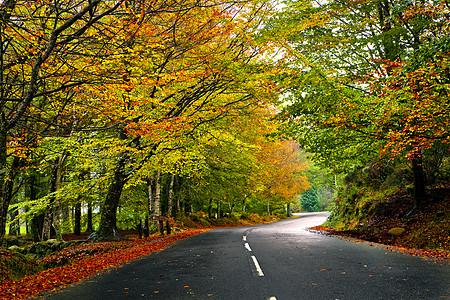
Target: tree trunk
6 187
210 208
48 217
243 203
6 178
151 197
14 226
108 211
146 229
178 198
158 194
37 221
170 198
157 200
268 207
107 227
231 208
419 182
57 212
90 226
52 212
77 227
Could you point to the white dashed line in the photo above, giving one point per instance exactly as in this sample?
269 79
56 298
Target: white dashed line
247 246
244 238
258 268
273 298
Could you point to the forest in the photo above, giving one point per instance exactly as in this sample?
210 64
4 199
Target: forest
113 112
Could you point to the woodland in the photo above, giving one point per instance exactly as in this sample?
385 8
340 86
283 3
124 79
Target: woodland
113 112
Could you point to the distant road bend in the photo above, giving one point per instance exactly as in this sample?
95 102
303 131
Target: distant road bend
277 261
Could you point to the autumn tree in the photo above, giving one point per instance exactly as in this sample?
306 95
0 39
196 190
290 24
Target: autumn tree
283 175
186 67
367 75
47 49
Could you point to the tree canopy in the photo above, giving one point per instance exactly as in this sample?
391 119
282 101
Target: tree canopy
368 82
103 101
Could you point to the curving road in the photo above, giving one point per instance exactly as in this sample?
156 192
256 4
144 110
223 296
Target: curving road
280 261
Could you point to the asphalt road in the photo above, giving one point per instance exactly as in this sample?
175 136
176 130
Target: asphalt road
280 261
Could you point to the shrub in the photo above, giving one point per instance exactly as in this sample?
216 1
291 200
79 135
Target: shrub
204 222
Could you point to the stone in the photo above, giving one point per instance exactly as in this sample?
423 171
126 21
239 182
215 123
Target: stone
396 231
15 248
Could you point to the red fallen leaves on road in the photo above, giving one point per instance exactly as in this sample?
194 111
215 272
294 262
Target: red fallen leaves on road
84 267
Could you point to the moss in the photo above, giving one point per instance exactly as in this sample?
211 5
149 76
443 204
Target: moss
14 265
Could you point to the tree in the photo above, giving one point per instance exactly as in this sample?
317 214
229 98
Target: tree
347 88
38 43
283 176
199 68
309 200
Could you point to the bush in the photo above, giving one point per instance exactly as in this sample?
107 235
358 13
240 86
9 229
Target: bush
204 222
245 216
234 217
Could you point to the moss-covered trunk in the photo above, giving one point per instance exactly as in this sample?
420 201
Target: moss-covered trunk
107 227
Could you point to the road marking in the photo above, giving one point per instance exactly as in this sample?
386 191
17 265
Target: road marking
258 268
273 298
244 238
247 246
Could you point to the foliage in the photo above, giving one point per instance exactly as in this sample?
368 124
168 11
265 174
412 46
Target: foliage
374 80
366 86
123 90
309 200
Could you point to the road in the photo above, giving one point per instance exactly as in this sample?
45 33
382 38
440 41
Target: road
280 261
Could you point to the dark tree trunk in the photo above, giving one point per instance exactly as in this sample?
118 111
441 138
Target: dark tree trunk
6 187
419 182
90 226
77 215
107 227
146 229
37 222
